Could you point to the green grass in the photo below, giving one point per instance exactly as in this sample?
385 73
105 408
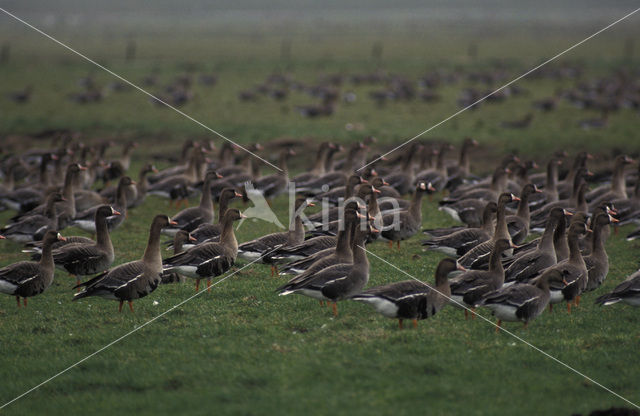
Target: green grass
243 350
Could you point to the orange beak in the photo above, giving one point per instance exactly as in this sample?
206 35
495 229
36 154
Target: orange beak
172 222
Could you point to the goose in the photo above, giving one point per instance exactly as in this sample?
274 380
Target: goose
211 232
336 177
411 299
469 287
573 269
86 220
84 259
491 192
190 218
401 225
328 218
403 178
184 181
273 185
518 224
437 176
33 227
461 241
179 169
181 241
341 253
386 191
208 260
579 167
335 195
142 185
618 189
257 248
577 203
478 257
319 167
597 261
522 302
626 292
133 280
529 264
26 278
340 281
463 168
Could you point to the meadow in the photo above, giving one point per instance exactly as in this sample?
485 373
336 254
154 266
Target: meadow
241 349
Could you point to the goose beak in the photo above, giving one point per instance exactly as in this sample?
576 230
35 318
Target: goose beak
613 220
238 194
219 176
461 267
154 169
374 230
375 191
191 238
114 212
430 187
385 183
82 167
358 215
363 180
590 156
133 182
565 281
514 198
243 216
172 222
2 237
311 204
567 213
373 172
513 245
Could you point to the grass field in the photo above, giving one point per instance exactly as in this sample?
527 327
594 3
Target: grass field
243 350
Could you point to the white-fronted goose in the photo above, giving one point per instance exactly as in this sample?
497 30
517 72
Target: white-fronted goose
522 302
34 227
211 232
133 280
618 188
168 186
403 178
518 224
401 225
461 241
437 176
340 281
26 278
181 241
626 292
597 261
471 286
190 218
208 260
334 195
411 299
86 220
478 257
84 259
273 185
573 269
463 168
529 264
566 187
254 249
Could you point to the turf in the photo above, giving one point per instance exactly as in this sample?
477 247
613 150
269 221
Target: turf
240 349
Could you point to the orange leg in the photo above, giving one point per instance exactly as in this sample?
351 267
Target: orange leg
400 323
197 284
25 302
466 314
274 270
526 325
615 230
390 244
18 300
568 307
473 313
334 307
131 305
498 326
120 306
398 244
577 301
208 285
321 303
415 323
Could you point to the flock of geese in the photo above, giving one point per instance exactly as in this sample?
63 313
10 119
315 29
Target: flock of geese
491 261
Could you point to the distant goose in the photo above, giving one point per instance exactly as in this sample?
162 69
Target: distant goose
86 220
133 280
25 278
411 299
401 225
597 261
